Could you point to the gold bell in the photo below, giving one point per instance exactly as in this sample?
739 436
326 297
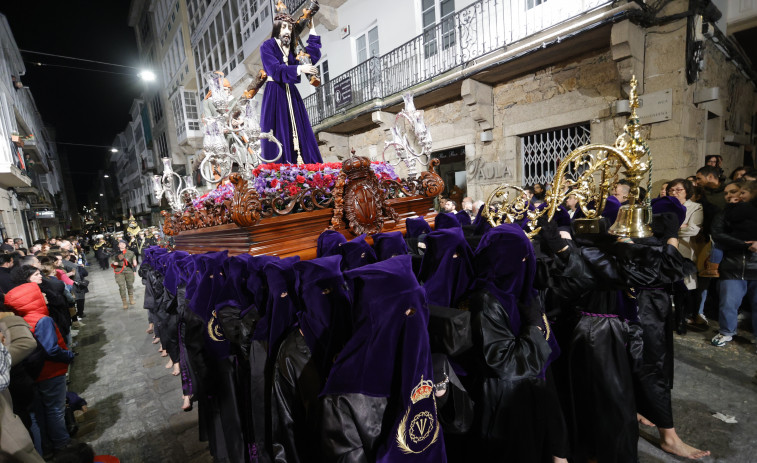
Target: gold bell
633 221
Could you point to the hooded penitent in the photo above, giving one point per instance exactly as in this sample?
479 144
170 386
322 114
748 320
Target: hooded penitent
173 270
505 266
514 406
326 316
356 253
669 204
610 212
207 282
282 307
416 227
329 242
388 245
446 220
388 355
463 218
447 267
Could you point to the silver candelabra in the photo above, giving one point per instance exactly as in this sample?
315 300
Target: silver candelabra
409 151
170 185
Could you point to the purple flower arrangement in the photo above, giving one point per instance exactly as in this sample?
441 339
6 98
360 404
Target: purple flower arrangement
271 180
289 179
222 193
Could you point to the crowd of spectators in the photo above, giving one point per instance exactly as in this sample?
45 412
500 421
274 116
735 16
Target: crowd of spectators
44 290
721 237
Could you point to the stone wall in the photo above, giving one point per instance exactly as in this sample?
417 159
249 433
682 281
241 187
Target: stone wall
735 107
586 89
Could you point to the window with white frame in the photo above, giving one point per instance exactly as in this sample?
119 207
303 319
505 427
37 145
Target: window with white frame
219 48
195 12
534 3
162 8
178 113
438 25
185 111
174 59
157 109
162 145
367 45
542 152
323 70
191 110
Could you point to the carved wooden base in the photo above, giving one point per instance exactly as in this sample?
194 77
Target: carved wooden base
290 235
359 203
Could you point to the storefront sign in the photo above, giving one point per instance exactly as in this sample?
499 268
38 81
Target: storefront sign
655 107
481 171
45 214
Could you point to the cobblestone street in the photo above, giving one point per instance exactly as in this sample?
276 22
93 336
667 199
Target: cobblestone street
120 373
122 376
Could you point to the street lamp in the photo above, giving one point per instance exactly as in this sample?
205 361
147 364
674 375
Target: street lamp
147 75
106 176
144 74
114 150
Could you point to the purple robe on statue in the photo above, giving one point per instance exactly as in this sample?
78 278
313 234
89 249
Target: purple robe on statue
274 114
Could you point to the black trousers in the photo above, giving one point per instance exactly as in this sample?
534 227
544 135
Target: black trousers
79 307
654 381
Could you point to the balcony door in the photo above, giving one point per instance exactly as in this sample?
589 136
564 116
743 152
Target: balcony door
439 36
536 16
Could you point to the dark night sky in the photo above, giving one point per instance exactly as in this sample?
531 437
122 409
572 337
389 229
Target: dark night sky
82 106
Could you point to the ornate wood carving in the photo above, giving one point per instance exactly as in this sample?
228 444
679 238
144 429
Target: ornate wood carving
365 209
358 198
337 220
428 184
432 184
169 227
246 206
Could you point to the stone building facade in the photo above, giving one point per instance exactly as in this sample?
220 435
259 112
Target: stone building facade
574 95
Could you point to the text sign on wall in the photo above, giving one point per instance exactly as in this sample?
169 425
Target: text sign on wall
655 107
479 170
343 92
45 214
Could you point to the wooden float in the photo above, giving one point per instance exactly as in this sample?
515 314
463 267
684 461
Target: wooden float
359 203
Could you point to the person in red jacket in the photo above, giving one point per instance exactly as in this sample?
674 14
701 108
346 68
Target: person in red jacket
48 422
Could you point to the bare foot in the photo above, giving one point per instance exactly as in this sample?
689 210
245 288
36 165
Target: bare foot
169 364
176 371
149 329
187 405
643 420
559 460
671 443
164 354
155 340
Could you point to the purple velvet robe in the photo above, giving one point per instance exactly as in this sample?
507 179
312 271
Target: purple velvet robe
274 114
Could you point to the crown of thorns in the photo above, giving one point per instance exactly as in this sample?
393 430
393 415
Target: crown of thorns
284 17
282 13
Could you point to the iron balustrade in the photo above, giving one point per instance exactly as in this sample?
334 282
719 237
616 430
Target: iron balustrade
292 5
476 30
355 87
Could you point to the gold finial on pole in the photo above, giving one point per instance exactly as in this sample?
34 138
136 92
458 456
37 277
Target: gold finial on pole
588 173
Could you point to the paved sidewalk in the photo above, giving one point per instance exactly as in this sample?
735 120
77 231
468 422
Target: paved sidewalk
709 380
120 373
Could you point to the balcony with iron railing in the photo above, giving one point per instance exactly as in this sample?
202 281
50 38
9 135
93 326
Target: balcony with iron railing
485 27
26 111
